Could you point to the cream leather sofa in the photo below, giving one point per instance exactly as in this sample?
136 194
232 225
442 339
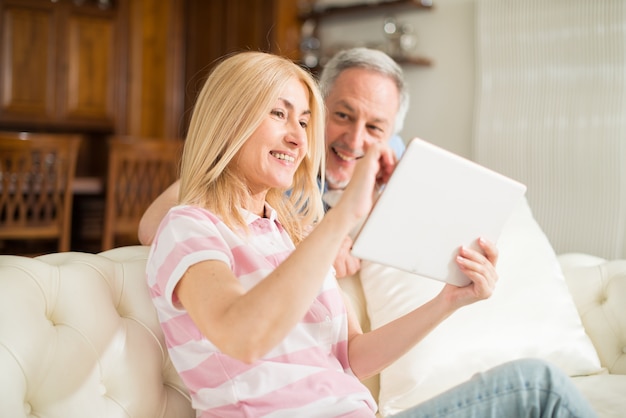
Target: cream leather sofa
79 336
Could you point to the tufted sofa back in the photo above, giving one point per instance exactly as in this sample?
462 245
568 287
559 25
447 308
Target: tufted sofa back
79 337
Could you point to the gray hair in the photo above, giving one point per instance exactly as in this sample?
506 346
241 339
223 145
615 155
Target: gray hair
369 59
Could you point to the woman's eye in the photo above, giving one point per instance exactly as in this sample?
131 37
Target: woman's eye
278 113
304 124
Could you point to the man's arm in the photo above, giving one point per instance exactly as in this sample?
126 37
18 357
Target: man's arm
152 217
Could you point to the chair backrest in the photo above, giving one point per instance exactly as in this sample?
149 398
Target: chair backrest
36 176
139 170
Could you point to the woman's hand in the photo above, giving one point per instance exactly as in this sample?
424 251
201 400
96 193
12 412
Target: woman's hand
480 269
372 171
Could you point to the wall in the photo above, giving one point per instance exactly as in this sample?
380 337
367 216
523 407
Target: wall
551 112
549 96
442 95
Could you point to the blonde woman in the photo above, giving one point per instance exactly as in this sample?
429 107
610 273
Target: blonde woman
241 271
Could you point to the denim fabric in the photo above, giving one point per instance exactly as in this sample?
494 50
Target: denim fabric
522 388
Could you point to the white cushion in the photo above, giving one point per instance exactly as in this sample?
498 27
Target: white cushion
531 314
606 393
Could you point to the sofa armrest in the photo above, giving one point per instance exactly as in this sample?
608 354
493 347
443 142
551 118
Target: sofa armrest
598 287
79 336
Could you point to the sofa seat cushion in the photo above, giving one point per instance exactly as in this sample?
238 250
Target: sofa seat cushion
606 392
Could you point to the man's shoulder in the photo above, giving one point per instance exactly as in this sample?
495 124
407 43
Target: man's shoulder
397 144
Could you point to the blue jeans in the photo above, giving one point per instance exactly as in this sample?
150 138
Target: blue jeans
522 388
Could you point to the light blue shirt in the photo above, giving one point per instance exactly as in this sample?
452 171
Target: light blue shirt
397 144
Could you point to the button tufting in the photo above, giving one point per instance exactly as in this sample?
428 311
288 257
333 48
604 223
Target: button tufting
624 350
27 408
102 389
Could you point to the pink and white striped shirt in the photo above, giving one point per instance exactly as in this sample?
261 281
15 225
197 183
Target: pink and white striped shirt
306 375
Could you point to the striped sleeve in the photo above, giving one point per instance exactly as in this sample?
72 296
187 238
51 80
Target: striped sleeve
187 235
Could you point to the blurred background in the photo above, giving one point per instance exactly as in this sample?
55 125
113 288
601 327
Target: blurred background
534 89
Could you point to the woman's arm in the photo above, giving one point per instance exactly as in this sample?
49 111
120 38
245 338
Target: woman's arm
246 325
370 353
152 217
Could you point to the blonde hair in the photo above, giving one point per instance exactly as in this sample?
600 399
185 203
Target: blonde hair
237 96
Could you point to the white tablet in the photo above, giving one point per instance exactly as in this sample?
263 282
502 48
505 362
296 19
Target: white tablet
435 202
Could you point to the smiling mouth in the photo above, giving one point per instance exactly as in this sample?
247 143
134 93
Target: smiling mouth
283 157
346 157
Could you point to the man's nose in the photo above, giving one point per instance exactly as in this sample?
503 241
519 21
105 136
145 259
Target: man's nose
358 137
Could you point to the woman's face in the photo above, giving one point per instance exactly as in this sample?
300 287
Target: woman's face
271 155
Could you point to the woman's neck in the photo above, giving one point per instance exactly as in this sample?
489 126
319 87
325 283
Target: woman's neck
257 205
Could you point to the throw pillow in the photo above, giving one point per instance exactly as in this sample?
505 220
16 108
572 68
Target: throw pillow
530 314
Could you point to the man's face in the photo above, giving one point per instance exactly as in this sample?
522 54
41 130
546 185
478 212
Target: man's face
361 109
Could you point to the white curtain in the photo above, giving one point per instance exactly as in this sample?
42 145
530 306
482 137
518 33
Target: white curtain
551 112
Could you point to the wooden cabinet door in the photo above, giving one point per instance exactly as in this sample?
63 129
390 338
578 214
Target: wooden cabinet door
87 81
58 64
28 60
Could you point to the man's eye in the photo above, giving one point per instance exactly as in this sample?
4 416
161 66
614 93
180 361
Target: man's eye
341 115
375 128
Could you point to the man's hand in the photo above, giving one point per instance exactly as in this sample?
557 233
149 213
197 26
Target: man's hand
345 263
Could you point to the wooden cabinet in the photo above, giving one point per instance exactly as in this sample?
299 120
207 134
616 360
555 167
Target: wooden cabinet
134 67
58 64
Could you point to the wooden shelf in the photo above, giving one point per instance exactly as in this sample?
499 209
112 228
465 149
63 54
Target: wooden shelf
362 9
418 61
366 7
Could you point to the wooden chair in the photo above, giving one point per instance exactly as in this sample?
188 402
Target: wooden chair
139 170
36 176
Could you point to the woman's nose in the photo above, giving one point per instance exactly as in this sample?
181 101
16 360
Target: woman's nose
297 133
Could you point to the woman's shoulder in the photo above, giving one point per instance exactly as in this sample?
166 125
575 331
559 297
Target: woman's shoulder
189 217
193 212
